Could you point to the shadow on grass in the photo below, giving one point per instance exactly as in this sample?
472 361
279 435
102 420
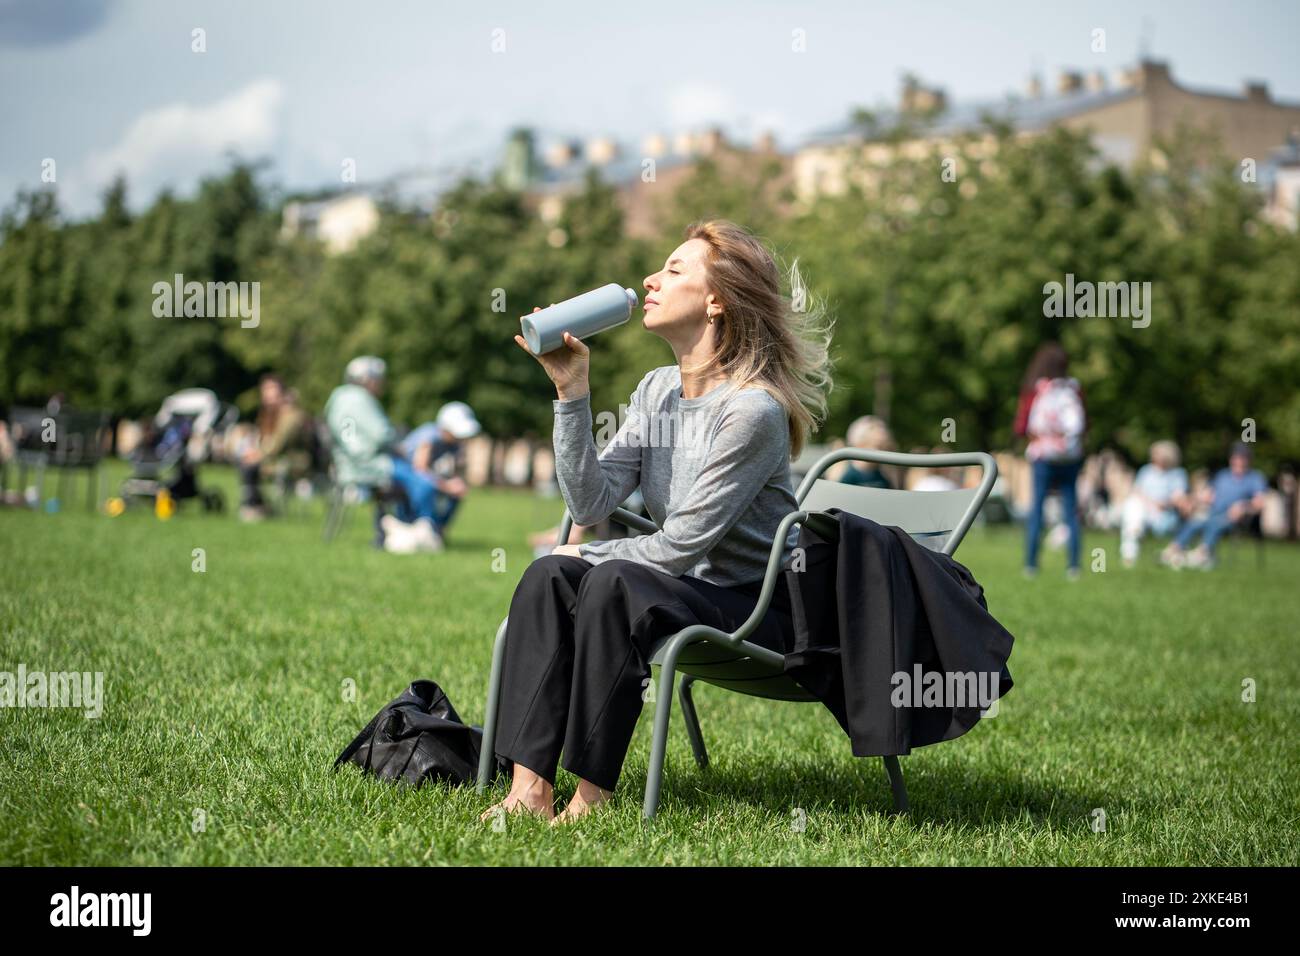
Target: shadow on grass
939 795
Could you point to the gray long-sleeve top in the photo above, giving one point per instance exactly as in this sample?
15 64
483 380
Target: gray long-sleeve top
714 472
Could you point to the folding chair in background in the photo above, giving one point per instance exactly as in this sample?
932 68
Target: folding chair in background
27 430
342 497
82 439
937 519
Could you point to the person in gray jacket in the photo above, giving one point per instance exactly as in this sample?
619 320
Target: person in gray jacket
708 442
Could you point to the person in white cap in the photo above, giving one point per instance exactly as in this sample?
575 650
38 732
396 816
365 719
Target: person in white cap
435 450
366 454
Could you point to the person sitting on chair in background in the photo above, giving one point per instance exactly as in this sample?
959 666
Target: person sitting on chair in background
435 445
708 441
1157 503
1234 496
279 449
870 434
366 455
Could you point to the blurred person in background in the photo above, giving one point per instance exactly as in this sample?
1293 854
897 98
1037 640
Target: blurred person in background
436 452
366 455
7 452
1235 496
1052 416
870 434
1158 502
938 479
279 445
1102 490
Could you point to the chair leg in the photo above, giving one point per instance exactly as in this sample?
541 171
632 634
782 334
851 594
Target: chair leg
334 516
486 753
380 510
692 722
896 783
659 742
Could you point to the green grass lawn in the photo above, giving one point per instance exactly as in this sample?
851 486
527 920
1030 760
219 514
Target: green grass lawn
223 694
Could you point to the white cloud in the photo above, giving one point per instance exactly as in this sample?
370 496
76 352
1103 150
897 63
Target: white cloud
174 145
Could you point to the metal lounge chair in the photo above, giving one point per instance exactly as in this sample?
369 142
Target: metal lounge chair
342 496
938 519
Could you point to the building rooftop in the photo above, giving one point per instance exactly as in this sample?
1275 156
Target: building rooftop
1027 114
1075 94
622 168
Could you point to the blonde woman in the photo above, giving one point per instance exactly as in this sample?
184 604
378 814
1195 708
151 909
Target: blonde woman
708 440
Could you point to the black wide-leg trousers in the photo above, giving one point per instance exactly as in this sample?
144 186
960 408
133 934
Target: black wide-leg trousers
577 655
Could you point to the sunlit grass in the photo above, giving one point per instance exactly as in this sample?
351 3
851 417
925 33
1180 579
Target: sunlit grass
223 695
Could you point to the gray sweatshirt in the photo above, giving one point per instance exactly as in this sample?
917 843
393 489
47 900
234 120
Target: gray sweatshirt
714 472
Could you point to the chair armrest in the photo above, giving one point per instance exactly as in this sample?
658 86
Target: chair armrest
624 517
736 639
630 519
770 577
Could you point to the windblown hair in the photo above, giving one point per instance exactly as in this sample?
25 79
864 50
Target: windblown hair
779 343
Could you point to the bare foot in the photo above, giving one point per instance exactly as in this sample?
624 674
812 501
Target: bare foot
529 792
587 798
518 804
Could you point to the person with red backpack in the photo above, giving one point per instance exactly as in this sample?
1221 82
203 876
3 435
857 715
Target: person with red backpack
1053 418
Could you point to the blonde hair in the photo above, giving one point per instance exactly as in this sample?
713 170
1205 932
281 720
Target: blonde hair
778 343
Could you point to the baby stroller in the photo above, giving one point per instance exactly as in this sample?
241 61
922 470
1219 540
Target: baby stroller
179 441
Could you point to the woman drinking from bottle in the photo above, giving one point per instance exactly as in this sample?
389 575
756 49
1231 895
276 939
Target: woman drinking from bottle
708 441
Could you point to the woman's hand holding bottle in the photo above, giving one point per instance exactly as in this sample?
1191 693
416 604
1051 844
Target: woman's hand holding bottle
567 367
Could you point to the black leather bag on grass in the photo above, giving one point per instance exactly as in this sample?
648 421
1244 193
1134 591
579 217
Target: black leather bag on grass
417 738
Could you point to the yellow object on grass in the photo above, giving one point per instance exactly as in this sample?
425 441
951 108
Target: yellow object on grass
164 505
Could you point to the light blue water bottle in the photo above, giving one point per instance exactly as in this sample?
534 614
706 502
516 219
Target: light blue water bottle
583 315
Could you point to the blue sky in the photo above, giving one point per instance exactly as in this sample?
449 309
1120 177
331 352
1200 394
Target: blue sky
107 85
